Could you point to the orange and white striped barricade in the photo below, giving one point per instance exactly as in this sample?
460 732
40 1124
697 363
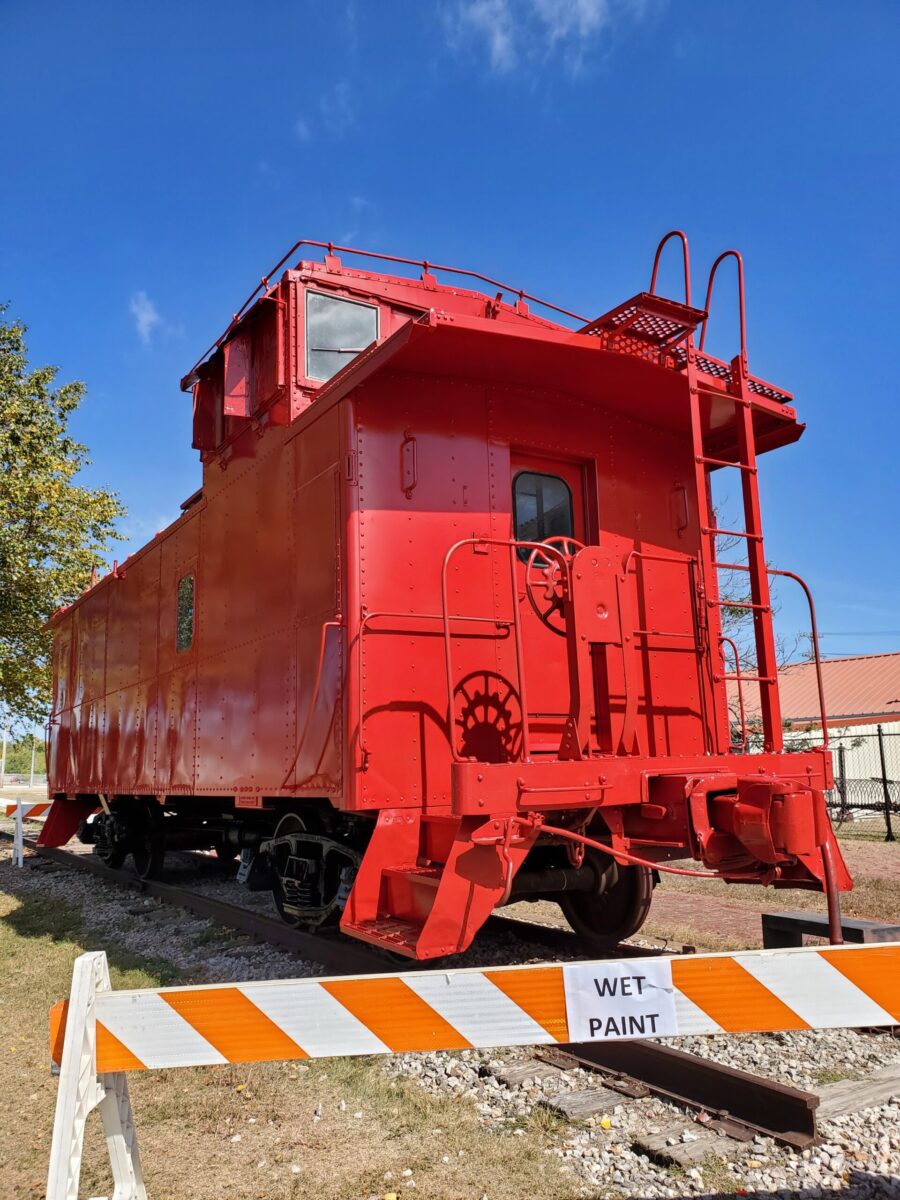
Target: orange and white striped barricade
105 1033
22 809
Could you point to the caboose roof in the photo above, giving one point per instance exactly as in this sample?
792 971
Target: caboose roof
556 361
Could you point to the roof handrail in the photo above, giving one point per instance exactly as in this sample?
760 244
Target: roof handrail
712 275
687 264
427 267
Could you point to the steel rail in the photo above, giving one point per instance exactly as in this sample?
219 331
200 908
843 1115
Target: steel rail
740 1103
337 953
343 957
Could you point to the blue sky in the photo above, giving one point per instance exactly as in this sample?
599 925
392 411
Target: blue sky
159 158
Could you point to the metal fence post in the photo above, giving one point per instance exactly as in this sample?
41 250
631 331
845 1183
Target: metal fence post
889 836
19 836
842 781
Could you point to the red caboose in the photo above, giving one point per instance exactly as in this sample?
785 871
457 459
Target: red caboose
442 627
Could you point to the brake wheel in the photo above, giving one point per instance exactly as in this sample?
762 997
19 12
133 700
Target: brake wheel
547 580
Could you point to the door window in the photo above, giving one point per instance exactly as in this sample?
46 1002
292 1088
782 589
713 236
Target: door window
542 508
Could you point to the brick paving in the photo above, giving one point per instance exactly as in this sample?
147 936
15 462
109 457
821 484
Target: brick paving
877 860
697 914
737 921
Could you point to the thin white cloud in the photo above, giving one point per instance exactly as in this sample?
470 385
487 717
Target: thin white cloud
140 529
146 315
337 109
335 115
513 31
571 18
149 321
358 207
490 21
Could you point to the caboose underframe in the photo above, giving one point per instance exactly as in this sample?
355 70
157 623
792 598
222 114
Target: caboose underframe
443 629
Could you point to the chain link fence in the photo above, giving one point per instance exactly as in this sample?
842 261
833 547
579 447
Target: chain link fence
865 801
11 779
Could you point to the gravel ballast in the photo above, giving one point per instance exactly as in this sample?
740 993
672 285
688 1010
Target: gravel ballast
859 1155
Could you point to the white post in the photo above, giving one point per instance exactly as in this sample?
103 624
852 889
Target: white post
81 1090
19 835
33 752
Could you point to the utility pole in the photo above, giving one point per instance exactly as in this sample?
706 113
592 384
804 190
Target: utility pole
33 752
3 760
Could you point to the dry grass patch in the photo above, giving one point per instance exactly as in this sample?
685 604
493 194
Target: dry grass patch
874 898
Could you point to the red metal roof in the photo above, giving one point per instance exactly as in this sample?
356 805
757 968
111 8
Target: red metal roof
866 686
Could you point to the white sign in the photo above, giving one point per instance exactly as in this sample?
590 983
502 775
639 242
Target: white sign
615 1000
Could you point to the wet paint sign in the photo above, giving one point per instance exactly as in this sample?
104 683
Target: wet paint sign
616 1000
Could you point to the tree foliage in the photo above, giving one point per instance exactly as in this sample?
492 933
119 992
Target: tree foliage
52 530
18 756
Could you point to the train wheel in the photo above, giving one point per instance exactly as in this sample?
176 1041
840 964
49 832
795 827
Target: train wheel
147 841
111 856
109 834
290 823
608 916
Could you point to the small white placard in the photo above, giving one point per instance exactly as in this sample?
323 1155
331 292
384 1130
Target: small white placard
616 1000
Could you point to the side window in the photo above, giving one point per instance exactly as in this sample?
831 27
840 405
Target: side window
336 331
184 624
542 508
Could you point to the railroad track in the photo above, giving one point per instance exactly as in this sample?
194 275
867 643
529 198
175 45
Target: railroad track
337 954
736 1102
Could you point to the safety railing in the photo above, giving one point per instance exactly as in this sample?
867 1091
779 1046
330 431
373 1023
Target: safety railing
724 640
741 306
686 255
740 678
500 624
514 547
425 264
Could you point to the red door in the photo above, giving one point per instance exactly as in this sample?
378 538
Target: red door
548 504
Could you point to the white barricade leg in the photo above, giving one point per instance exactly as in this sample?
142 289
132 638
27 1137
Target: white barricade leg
81 1090
121 1138
19 838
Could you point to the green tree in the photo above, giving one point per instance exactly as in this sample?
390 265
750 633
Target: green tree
18 756
52 531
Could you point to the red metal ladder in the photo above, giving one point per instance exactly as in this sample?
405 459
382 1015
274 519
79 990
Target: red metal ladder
760 603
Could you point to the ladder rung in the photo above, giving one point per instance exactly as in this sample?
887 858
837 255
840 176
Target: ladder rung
737 604
723 462
741 533
742 678
720 566
663 633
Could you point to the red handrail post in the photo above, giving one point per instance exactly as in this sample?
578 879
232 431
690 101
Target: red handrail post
687 263
709 289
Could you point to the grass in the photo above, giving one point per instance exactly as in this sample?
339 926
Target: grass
215 936
833 1075
241 1130
870 897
